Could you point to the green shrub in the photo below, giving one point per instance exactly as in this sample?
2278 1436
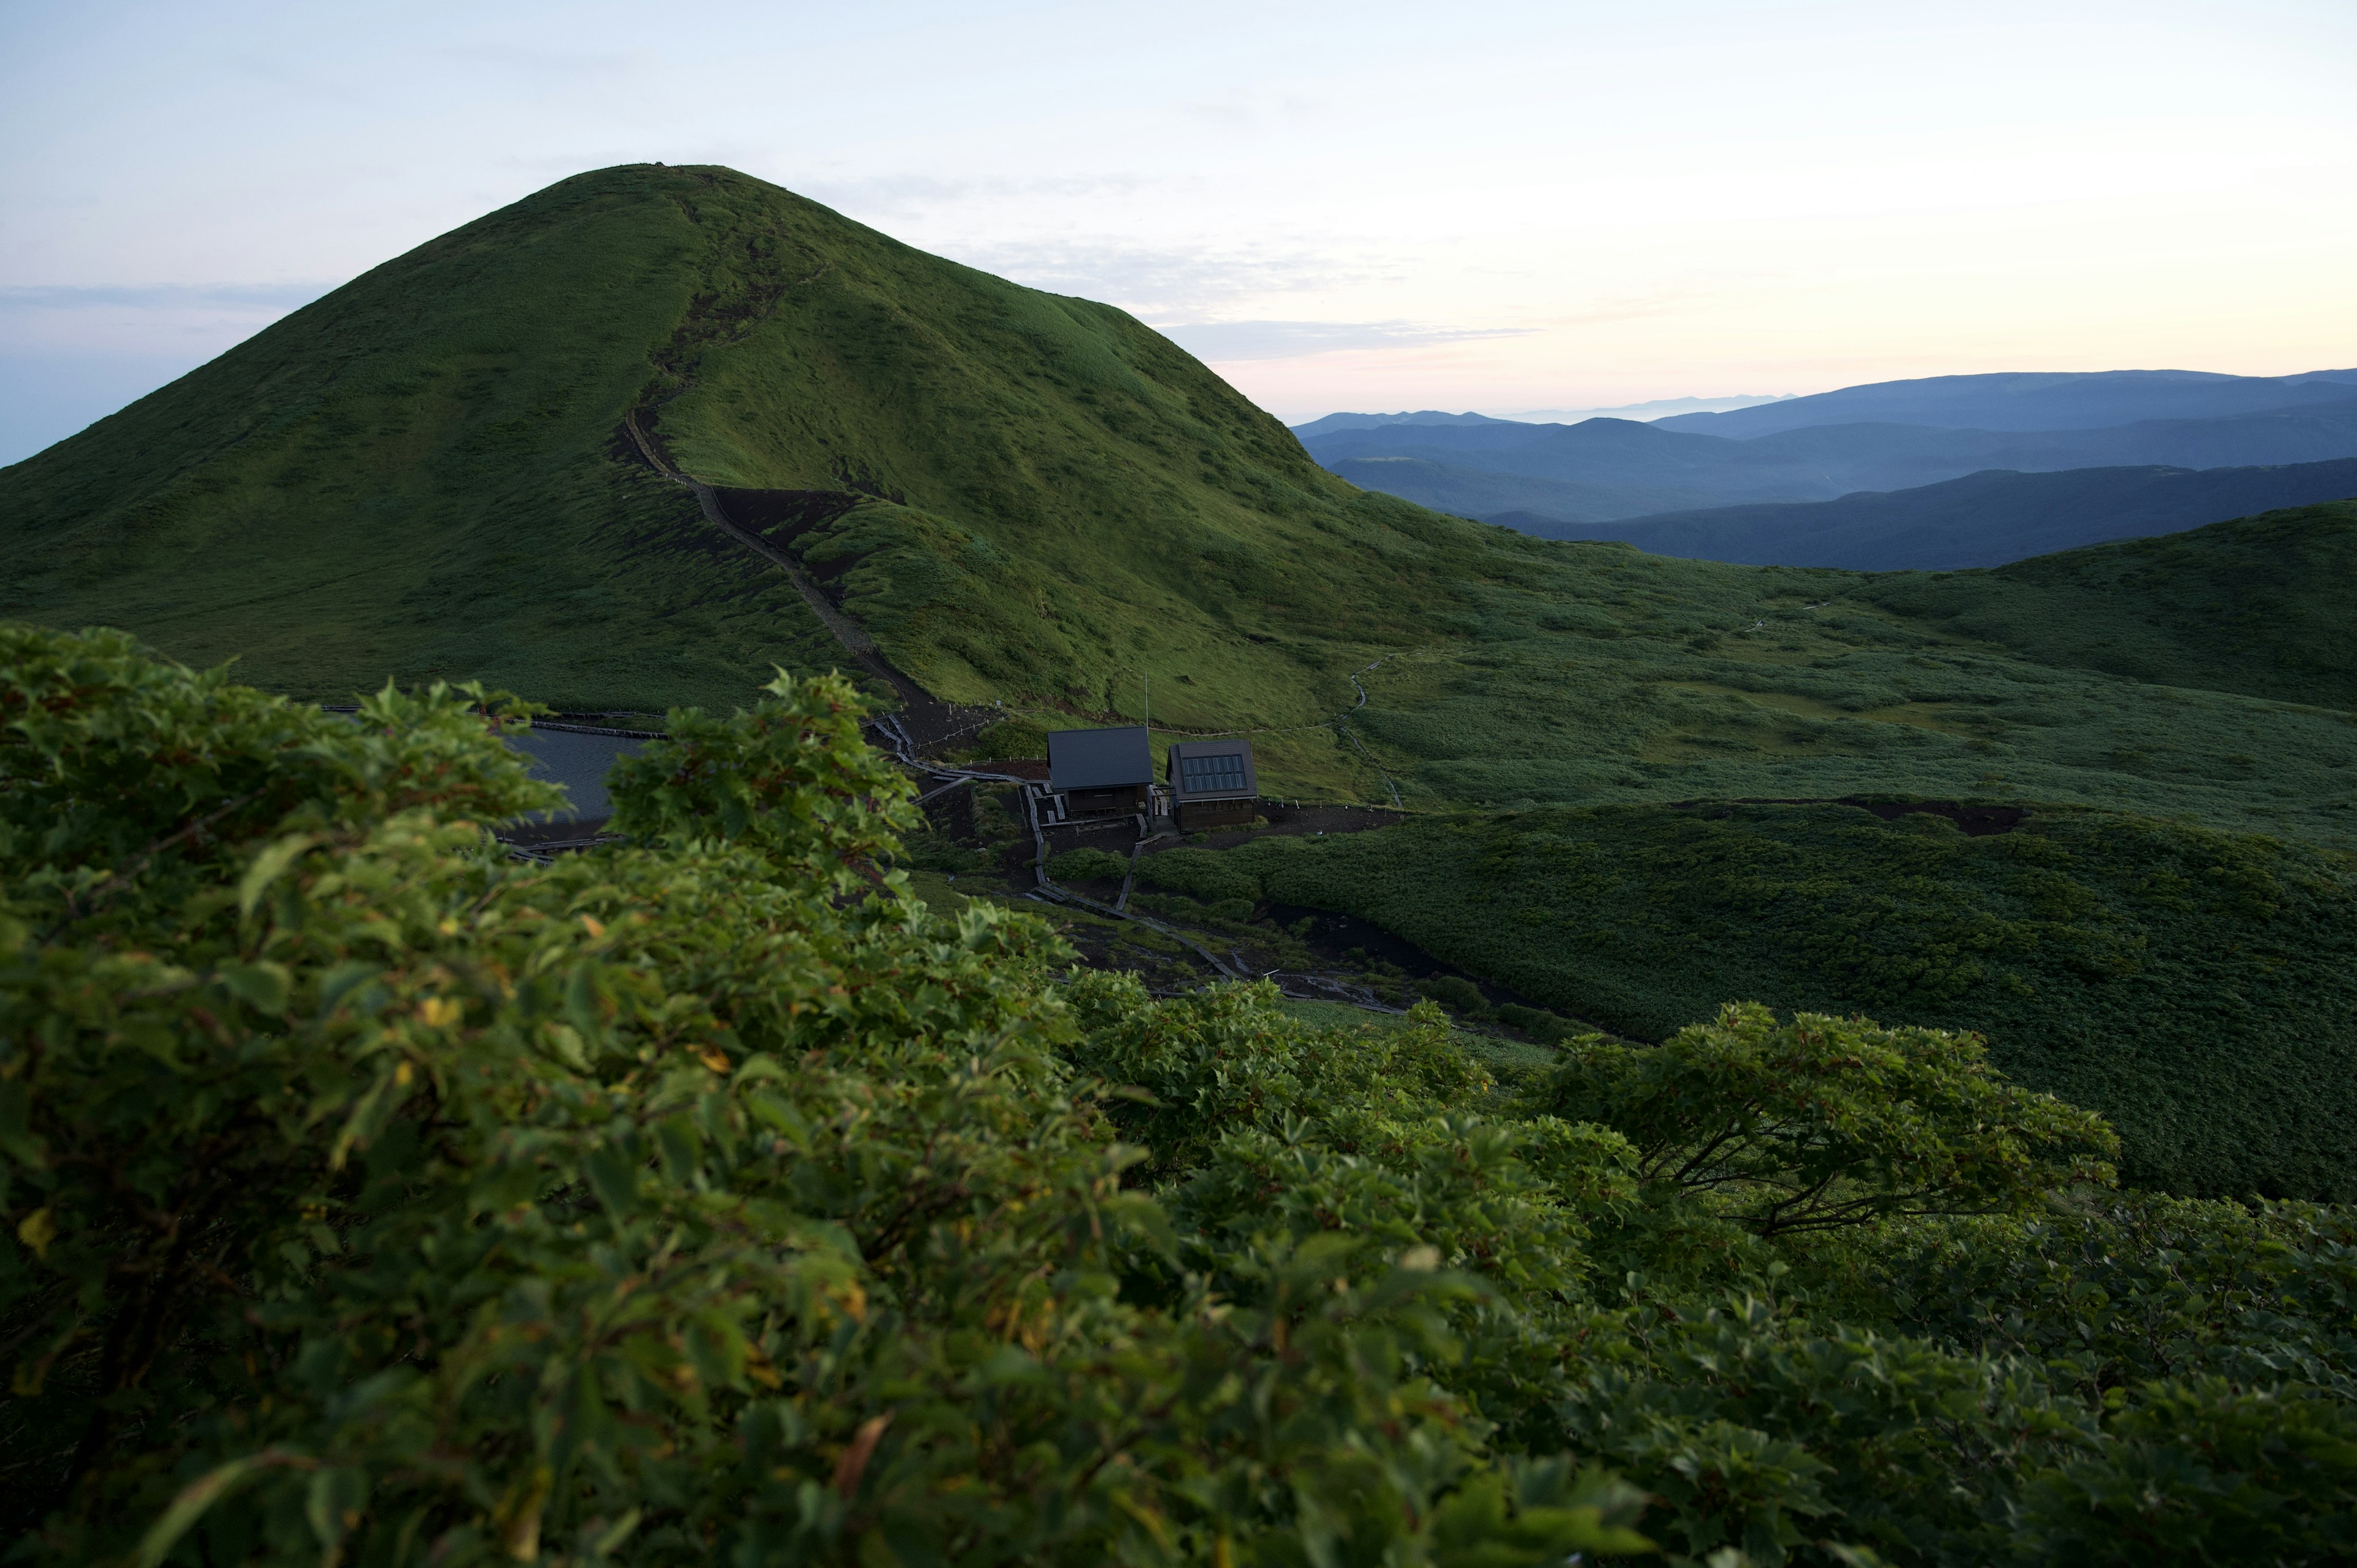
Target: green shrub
1455 992
1204 874
939 852
368 1196
1088 866
2205 1472
373 1197
1540 1025
1008 738
1822 1122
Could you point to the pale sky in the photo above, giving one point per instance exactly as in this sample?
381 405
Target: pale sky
1500 207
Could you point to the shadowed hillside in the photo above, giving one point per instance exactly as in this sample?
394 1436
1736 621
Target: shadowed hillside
2199 988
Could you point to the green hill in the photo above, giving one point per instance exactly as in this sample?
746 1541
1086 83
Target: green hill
422 474
413 476
2249 605
1026 498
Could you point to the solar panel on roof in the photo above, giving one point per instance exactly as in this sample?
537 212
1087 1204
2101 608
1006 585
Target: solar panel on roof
1212 769
1200 775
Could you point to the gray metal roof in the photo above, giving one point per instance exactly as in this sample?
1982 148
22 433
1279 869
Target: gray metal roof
1099 758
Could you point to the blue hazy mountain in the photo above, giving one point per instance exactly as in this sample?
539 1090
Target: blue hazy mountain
1334 422
2032 402
1981 519
1473 493
1605 469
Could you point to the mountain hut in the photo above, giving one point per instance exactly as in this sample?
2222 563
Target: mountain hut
1213 784
1101 772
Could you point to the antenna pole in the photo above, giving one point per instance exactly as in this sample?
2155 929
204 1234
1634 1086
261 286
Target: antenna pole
1149 701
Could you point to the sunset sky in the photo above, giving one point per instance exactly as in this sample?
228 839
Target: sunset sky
1499 207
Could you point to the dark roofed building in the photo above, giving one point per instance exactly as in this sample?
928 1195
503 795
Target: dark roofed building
1101 770
1212 783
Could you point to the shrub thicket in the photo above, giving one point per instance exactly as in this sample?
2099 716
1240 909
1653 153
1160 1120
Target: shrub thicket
372 1197
2198 988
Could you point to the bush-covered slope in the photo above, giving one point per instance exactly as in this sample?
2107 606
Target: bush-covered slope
2199 988
2252 605
369 1196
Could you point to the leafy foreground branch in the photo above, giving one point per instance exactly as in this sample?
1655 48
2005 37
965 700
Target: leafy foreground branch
372 1198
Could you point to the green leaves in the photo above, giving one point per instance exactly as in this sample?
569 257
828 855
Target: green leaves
373 1198
792 781
1826 1122
1543 1512
2206 1472
370 1199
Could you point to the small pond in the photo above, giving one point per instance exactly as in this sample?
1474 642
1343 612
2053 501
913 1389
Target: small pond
579 762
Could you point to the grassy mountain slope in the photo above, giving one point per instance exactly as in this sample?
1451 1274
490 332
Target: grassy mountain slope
1617 676
412 477
2252 605
2199 988
420 474
1981 519
1026 498
1021 495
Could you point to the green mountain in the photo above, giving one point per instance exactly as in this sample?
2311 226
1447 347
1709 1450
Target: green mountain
456 466
429 472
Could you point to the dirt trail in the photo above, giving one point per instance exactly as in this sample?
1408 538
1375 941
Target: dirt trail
926 721
1345 732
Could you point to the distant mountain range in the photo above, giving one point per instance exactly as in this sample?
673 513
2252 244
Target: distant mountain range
1982 519
2032 400
1656 409
1889 448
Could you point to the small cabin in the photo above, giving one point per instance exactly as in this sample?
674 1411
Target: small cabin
1213 784
1102 772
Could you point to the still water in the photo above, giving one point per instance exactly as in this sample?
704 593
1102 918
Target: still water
579 763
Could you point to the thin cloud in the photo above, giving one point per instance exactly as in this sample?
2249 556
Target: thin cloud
1230 341
901 195
1164 283
234 296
